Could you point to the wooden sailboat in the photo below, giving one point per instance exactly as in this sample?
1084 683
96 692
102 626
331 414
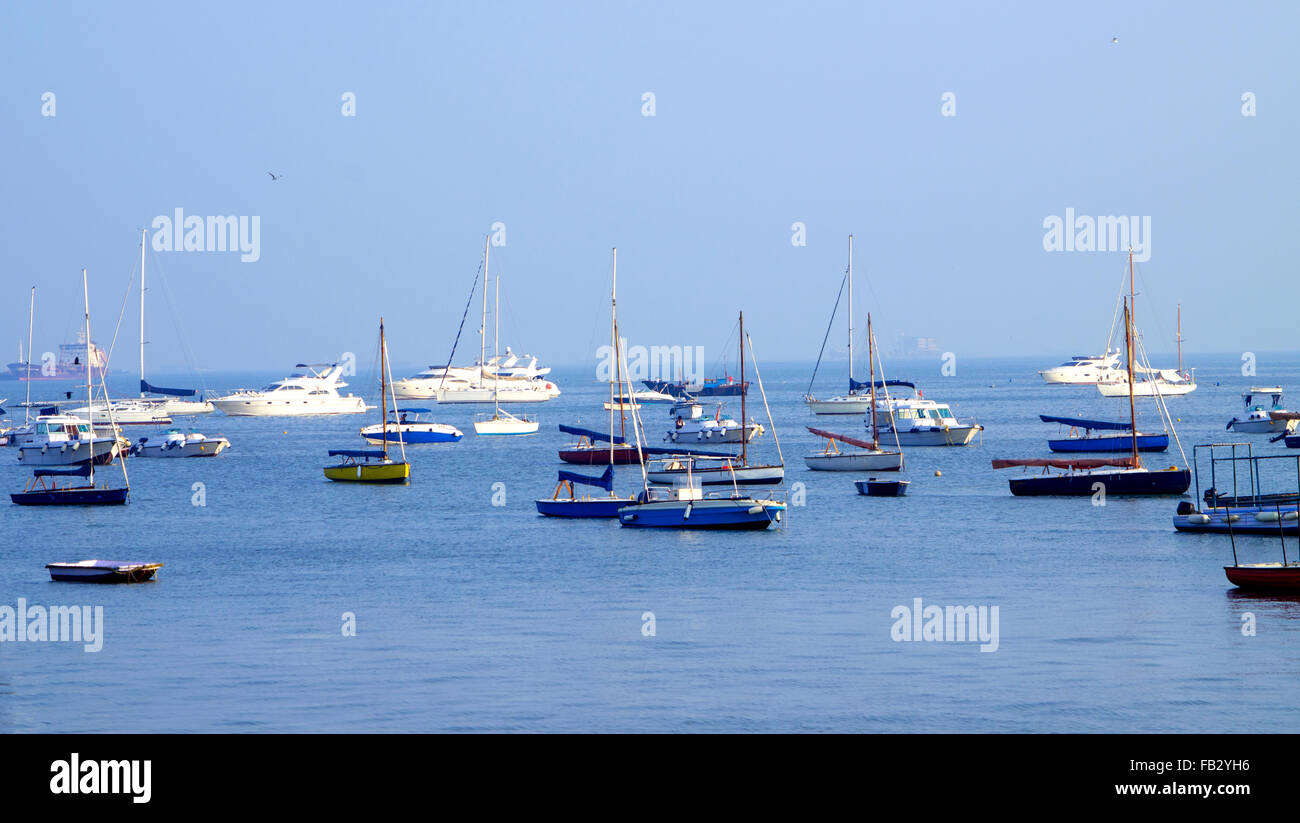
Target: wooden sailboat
44 488
868 456
500 422
1111 476
374 465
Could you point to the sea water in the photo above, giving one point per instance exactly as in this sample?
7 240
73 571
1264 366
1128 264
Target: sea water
289 603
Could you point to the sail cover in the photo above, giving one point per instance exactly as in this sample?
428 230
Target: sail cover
605 481
145 388
1081 423
855 385
862 444
356 453
590 434
80 471
1068 463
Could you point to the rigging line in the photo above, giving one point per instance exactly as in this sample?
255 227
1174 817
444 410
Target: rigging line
191 362
829 324
125 297
776 437
452 356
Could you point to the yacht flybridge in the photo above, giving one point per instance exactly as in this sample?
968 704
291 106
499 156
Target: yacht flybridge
314 391
1083 370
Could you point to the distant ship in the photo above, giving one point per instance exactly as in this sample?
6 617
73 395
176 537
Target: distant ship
71 364
711 387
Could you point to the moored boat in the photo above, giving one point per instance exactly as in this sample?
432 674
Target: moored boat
102 571
1116 436
374 465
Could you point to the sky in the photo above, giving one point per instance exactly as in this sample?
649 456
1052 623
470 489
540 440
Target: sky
533 115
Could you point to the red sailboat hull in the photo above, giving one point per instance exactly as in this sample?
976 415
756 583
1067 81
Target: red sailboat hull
620 455
1265 577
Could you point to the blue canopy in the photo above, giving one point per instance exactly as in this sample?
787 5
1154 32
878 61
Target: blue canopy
145 388
605 481
590 434
356 453
79 471
414 411
1080 423
854 385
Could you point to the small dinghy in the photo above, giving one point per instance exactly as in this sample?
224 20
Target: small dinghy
583 507
102 571
873 487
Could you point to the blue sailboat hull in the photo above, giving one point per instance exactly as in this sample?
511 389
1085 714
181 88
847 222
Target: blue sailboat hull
1121 443
70 497
1083 484
702 514
598 507
416 437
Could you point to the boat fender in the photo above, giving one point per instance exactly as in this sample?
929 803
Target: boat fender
1233 518
1200 519
1266 517
687 514
1291 516
754 510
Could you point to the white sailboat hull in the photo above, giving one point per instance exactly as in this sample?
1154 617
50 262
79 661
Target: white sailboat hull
1145 388
856 461
951 436
846 404
208 447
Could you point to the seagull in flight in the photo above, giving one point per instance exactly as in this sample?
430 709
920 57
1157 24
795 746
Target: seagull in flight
274 176
1114 40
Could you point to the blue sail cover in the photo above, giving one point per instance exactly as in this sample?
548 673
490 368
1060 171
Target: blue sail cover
356 453
79 471
605 481
145 388
591 435
1080 423
855 385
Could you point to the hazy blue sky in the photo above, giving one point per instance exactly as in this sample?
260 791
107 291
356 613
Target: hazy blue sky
765 114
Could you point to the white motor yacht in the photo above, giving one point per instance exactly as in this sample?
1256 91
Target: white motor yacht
315 391
1083 370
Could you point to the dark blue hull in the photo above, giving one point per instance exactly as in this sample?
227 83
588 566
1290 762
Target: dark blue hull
710 388
882 488
1114 483
1124 443
70 497
599 507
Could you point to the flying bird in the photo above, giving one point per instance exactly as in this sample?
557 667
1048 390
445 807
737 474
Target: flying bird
1114 40
274 176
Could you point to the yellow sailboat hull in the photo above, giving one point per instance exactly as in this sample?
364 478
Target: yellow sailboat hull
369 473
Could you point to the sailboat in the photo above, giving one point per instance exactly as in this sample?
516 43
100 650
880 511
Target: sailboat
868 456
44 489
1111 475
374 465
1162 382
1112 438
500 422
174 404
851 403
686 505
727 470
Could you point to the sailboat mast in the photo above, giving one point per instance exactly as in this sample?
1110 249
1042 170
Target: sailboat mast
1132 410
618 366
850 314
482 326
496 349
90 404
31 316
871 360
383 386
744 439
1180 338
142 288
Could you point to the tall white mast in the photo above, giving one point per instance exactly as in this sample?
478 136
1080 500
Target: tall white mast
142 287
496 350
482 326
850 314
31 315
616 366
90 404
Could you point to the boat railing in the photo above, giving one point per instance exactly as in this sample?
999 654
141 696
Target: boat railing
1245 472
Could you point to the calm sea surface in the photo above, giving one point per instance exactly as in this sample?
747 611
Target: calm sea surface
477 617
